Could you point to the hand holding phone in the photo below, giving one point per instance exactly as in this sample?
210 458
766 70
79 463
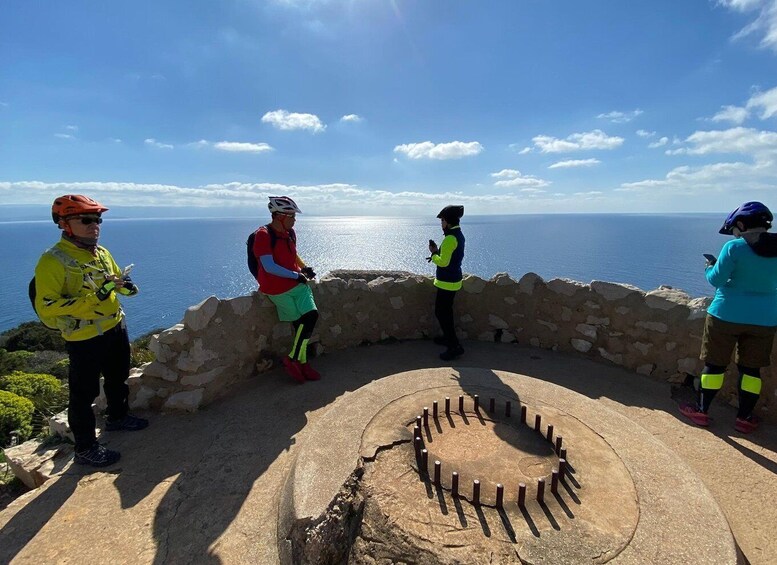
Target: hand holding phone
711 259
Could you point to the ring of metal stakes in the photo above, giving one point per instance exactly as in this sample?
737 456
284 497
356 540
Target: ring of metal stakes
422 455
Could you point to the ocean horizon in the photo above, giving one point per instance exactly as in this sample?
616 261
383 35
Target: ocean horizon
181 261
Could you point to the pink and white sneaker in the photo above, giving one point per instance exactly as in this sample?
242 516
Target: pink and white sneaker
692 412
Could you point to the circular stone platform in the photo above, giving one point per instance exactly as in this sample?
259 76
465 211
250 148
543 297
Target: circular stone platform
360 488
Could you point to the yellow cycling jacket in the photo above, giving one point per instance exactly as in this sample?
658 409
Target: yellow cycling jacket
65 292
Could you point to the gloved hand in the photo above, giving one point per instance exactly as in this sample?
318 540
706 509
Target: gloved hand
301 278
309 273
128 287
105 290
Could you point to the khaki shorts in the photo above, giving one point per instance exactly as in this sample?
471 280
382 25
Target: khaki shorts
293 303
753 343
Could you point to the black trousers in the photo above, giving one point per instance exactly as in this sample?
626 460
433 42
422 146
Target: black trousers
109 355
443 310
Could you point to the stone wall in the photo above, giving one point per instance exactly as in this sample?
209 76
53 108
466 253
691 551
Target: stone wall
221 342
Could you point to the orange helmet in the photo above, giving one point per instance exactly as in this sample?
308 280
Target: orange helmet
74 205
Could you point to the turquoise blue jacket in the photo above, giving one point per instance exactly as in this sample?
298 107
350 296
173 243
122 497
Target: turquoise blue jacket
745 279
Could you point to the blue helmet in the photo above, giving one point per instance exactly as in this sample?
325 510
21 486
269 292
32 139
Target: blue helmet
752 214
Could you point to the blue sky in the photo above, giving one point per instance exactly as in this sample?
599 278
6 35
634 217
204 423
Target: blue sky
392 106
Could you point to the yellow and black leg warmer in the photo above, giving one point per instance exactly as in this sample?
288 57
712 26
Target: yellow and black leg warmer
303 329
711 383
749 390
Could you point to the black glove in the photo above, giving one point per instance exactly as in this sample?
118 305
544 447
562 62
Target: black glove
309 273
301 279
129 286
105 290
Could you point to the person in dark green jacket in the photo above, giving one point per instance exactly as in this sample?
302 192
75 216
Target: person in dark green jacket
448 258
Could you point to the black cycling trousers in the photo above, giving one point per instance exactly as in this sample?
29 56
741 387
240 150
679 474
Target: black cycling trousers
443 310
109 355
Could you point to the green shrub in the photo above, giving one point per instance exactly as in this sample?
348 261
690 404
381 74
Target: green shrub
32 336
15 415
60 369
11 361
139 352
43 361
43 390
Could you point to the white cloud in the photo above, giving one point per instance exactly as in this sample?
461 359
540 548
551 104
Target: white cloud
513 179
735 114
746 141
154 143
575 163
506 174
114 139
440 151
352 118
64 136
525 150
660 143
766 102
71 128
644 133
765 23
721 177
595 139
589 193
620 117
242 147
288 121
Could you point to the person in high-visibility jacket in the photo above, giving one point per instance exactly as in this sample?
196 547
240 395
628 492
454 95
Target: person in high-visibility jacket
76 287
448 278
742 315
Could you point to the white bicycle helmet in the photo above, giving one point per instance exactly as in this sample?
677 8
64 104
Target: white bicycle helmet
283 204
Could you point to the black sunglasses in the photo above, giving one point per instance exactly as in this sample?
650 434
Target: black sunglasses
88 221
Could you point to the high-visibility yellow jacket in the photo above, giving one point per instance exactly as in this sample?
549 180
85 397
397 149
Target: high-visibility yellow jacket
66 291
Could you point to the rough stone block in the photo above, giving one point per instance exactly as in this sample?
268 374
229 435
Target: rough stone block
396 302
473 285
659 327
241 305
497 322
502 279
550 325
616 358
140 400
197 317
666 298
594 321
581 345
567 287
188 400
202 378
614 291
528 282
158 370
587 330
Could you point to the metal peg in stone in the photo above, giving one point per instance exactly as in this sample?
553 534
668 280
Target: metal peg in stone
521 495
434 409
550 433
500 495
554 481
418 421
461 404
447 406
417 445
492 405
559 439
424 461
523 414
562 453
562 468
416 432
454 484
437 467
476 492
477 403
426 417
537 422
540 490
508 407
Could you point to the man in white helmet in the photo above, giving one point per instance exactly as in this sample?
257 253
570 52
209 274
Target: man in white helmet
283 277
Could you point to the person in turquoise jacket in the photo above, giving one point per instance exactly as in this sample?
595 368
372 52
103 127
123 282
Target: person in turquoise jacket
448 278
742 315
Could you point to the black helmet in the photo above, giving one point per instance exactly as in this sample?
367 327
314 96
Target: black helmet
451 214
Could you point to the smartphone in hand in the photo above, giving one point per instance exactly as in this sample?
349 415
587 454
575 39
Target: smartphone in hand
710 258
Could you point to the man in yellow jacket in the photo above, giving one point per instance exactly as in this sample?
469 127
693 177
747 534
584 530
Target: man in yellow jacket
76 287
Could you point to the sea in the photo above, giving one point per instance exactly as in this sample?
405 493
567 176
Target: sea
178 262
